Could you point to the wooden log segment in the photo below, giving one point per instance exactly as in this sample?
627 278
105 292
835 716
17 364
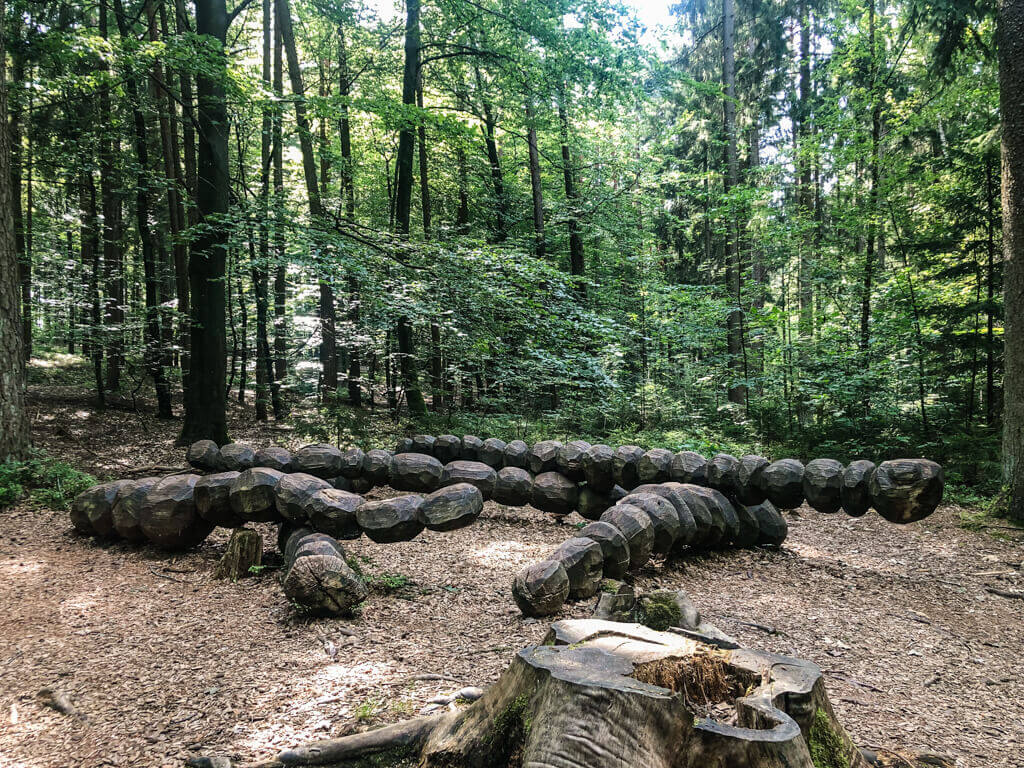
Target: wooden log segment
513 486
555 493
654 466
663 516
591 504
853 491
905 490
333 512
569 461
543 457
772 526
541 588
603 694
352 463
583 561
471 445
721 473
689 468
204 455
415 472
253 495
274 457
423 444
636 526
125 512
320 460
822 484
598 464
377 466
748 479
213 499
390 520
404 445
318 579
516 454
614 547
749 528
452 507
783 483
671 492
625 466
168 515
292 494
704 535
237 457
704 499
492 452
473 472
447 448
92 509
243 553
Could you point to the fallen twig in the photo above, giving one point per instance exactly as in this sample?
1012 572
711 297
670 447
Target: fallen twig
1005 593
155 572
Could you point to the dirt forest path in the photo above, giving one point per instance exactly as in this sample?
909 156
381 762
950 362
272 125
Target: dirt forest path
162 662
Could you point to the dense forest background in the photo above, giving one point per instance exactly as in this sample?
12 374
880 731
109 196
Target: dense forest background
776 224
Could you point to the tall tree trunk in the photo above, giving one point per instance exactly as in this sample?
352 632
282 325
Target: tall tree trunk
536 191
801 132
111 201
403 201
1011 85
328 343
261 265
758 269
462 216
205 394
152 354
90 250
424 170
280 258
501 213
577 266
734 322
348 193
873 192
19 162
990 366
14 423
188 115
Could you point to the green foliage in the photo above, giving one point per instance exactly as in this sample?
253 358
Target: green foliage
388 583
47 481
827 748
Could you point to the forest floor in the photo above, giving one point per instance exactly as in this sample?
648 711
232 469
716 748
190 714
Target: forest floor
162 662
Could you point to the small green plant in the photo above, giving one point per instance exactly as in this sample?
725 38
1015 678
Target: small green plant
389 582
366 711
47 481
257 570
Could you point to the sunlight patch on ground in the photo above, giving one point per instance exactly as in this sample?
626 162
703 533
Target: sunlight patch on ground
21 567
504 552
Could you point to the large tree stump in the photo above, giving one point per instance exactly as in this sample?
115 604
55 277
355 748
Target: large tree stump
604 695
905 490
244 551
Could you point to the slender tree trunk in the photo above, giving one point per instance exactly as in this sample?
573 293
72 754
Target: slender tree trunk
801 134
281 262
872 236
152 355
1011 85
462 216
205 394
536 190
991 414
19 162
424 170
111 202
733 275
261 265
758 269
90 248
14 422
576 262
188 115
348 192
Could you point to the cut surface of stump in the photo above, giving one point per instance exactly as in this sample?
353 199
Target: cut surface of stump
598 467
475 473
391 520
906 490
555 493
213 499
541 589
333 512
253 495
823 479
513 486
853 491
689 467
244 552
583 561
455 506
602 694
415 472
292 493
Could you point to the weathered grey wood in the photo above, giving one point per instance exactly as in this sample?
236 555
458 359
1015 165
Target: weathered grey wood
663 516
783 483
671 492
554 493
517 454
853 491
614 547
543 457
471 445
292 493
654 466
822 483
415 472
591 504
377 466
625 462
636 526
772 525
204 455
324 584
352 463
244 552
513 486
492 452
749 532
168 514
253 495
213 499
274 457
598 464
541 588
287 532
447 448
721 473
236 457
689 468
707 511
473 472
455 506
391 520
320 460
333 512
583 561
404 445
125 512
748 479
92 510
423 444
570 459
906 490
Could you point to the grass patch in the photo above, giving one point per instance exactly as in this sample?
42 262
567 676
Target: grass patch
46 481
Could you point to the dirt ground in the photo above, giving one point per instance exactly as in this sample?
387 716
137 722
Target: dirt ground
161 662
